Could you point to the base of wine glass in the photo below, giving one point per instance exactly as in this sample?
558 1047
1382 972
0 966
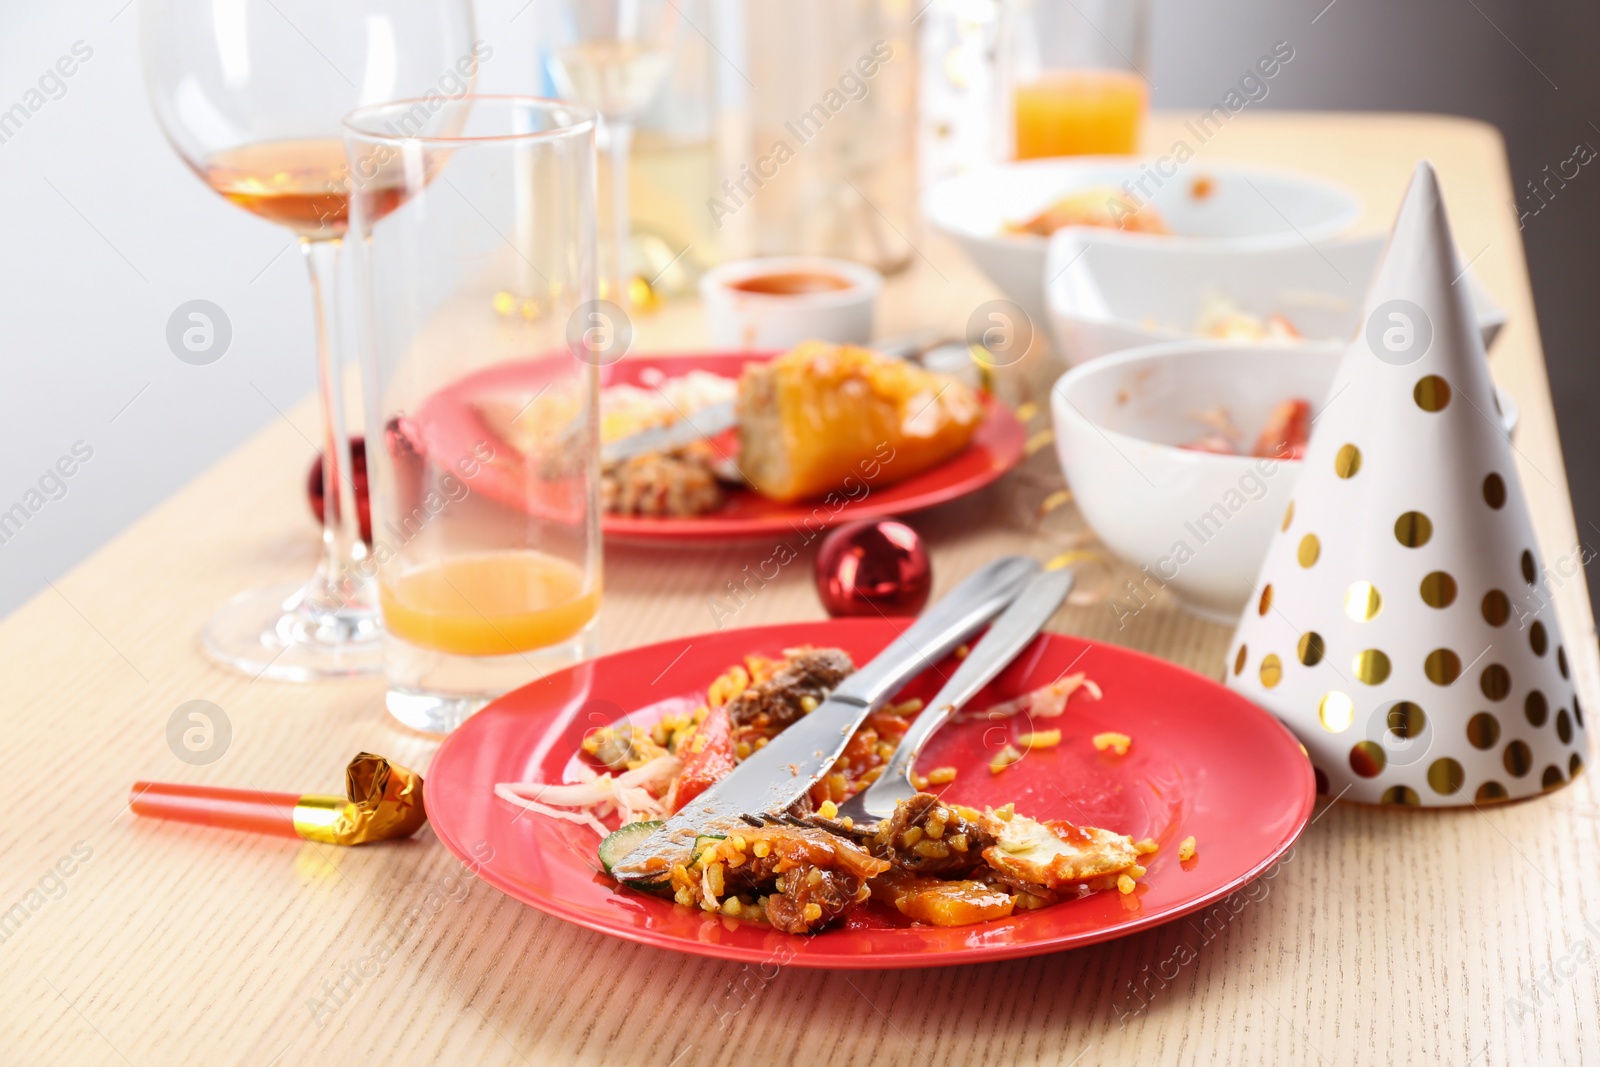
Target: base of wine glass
282 633
434 692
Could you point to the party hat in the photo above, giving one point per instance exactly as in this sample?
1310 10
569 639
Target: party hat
1402 624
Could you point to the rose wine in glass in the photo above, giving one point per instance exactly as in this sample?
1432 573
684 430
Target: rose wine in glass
612 56
251 94
300 184
303 184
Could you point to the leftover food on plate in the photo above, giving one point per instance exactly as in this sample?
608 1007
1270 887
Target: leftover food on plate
1284 436
1105 207
819 418
626 409
682 483
933 861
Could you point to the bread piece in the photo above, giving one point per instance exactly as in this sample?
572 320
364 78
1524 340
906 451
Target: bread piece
827 417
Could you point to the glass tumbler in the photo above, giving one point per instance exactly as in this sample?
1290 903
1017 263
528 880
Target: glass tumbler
1075 70
473 230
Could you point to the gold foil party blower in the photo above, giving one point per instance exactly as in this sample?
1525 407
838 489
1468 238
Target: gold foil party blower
383 801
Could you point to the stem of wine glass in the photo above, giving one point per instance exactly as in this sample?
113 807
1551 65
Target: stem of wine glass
619 141
339 586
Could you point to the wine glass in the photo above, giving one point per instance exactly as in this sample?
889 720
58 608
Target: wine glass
251 93
612 56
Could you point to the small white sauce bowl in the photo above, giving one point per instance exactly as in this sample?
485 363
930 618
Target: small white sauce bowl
739 319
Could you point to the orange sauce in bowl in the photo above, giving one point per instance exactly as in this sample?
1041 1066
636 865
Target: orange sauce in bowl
793 283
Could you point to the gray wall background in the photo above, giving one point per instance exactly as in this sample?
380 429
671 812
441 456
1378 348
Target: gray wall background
106 232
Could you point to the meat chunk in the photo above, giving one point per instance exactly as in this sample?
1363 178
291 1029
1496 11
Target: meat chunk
812 897
804 680
928 837
660 486
806 877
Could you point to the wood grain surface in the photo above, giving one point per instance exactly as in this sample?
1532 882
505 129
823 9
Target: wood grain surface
1386 936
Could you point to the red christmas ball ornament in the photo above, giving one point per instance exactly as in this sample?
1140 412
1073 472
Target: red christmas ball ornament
358 473
874 567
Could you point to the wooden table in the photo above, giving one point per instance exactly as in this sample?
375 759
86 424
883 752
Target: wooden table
1388 936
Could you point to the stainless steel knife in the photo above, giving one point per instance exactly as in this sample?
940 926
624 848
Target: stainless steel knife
775 776
706 422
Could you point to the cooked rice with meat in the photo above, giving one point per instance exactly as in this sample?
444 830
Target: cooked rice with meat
933 861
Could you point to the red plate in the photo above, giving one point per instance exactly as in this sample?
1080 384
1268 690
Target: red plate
1204 761
450 424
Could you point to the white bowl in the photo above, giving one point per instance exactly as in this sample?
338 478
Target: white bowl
1197 523
739 319
1242 208
1108 295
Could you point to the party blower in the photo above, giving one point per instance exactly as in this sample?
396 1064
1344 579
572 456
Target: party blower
382 802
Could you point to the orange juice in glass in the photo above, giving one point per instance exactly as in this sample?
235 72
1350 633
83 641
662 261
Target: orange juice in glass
1079 112
498 603
485 478
1074 75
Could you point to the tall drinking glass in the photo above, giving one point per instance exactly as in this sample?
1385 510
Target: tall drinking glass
612 56
473 229
1076 74
250 93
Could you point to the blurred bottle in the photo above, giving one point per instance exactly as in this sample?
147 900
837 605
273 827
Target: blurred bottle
784 129
816 130
959 89
673 165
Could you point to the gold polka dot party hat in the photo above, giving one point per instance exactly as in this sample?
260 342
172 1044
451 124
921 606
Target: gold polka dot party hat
1402 623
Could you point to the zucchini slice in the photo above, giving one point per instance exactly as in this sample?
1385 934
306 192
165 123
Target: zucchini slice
622 841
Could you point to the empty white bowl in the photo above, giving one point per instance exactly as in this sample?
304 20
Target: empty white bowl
1105 295
1217 205
1197 524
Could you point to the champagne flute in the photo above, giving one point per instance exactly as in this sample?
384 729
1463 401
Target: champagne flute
251 93
612 56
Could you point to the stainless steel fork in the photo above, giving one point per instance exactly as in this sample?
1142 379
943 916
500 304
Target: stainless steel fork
1010 634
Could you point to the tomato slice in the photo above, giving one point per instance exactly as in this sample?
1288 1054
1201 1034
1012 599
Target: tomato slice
1286 432
708 761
